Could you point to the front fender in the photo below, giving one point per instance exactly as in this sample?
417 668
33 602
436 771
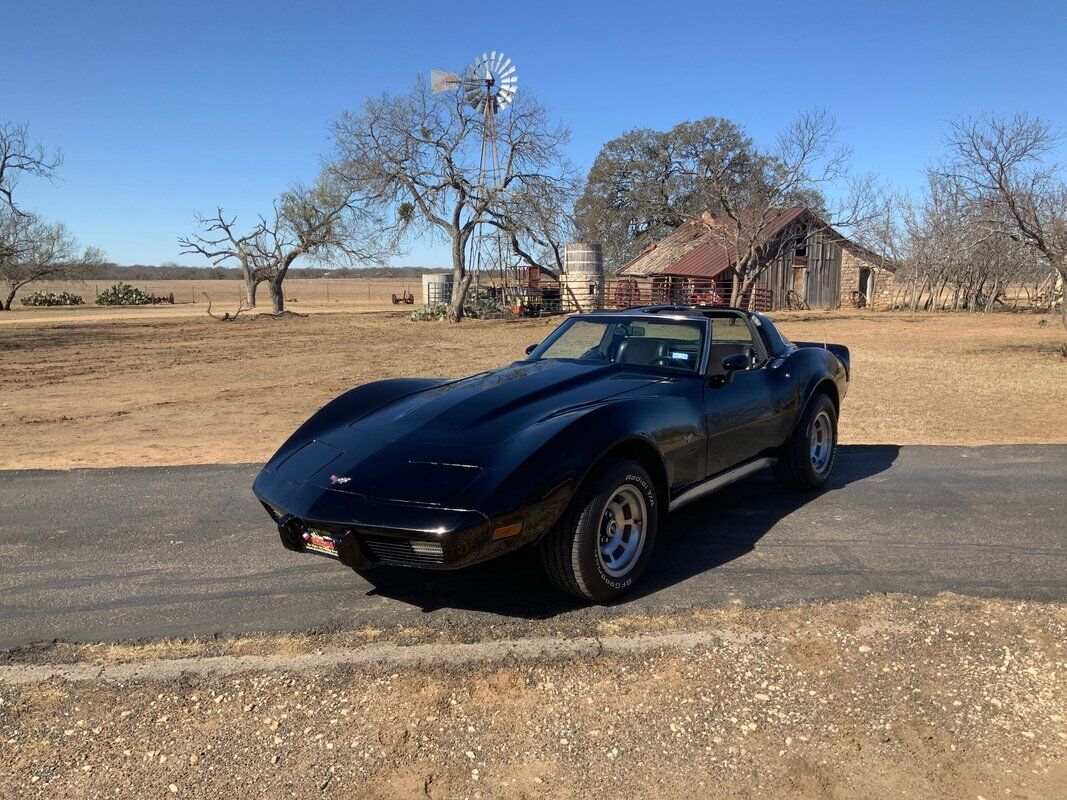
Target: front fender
552 458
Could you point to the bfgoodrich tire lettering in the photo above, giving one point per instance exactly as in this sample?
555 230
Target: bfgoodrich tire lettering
601 545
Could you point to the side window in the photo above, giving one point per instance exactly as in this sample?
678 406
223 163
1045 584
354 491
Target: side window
729 336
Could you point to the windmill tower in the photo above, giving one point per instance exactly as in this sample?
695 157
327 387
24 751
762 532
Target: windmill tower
488 86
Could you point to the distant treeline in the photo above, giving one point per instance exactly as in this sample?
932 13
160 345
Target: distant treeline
174 272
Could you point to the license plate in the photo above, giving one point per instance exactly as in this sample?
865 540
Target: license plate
321 543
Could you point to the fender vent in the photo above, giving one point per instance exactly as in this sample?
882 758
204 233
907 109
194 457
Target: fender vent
405 552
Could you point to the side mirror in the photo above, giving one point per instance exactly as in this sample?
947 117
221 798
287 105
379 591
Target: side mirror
730 365
737 361
531 348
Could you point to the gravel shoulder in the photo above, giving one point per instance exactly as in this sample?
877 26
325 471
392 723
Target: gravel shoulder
890 695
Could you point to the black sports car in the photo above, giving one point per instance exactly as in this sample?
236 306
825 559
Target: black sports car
613 420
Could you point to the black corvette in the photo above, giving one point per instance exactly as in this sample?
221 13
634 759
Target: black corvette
613 420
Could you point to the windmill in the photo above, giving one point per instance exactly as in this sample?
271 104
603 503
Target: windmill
488 86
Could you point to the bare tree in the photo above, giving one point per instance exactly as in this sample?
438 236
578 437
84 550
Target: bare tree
222 244
803 167
420 154
1004 166
539 224
324 222
35 250
19 156
948 258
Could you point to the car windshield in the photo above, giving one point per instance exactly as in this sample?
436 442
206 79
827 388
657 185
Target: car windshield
650 343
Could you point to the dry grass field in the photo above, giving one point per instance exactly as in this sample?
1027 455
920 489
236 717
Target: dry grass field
138 388
302 294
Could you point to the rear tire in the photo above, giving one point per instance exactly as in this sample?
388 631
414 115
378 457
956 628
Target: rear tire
601 545
807 457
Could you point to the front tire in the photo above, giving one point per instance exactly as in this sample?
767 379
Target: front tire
807 457
601 545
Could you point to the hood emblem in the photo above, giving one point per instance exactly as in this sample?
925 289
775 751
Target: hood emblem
335 479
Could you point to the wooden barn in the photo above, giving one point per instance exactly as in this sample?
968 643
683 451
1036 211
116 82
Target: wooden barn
808 264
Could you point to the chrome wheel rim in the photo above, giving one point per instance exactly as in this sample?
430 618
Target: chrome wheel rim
622 530
821 441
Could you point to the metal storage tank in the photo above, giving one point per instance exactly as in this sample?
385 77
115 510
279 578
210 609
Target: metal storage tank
436 288
582 282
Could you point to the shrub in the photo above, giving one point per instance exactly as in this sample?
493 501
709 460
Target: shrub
122 294
437 311
53 299
478 305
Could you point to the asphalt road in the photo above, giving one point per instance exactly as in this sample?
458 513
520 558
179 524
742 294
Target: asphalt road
130 553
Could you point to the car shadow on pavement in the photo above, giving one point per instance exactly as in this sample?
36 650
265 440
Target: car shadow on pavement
700 537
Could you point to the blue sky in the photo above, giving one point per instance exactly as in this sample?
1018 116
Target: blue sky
162 109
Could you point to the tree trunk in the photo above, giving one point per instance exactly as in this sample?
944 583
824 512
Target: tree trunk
735 289
6 305
461 279
251 284
459 296
277 297
1059 281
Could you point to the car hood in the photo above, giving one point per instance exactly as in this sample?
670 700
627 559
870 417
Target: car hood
487 408
427 446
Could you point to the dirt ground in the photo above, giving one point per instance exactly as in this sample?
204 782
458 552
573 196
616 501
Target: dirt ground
141 388
889 696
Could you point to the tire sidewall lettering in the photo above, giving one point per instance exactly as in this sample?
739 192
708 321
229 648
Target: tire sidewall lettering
639 481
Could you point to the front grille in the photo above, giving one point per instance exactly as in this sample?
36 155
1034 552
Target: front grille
405 552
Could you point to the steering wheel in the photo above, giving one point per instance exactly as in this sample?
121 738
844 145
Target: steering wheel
668 361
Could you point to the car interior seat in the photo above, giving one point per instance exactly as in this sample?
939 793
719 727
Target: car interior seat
641 351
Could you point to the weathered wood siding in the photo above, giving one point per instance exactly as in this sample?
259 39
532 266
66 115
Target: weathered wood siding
822 275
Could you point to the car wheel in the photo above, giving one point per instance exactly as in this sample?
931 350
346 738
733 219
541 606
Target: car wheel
806 459
602 543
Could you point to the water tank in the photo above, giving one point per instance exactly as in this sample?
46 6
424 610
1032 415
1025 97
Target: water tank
436 288
582 281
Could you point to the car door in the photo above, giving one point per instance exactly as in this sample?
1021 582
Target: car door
748 411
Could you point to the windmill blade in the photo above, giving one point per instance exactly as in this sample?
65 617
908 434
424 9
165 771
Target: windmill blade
441 81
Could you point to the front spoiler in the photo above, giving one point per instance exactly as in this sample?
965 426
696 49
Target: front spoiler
464 536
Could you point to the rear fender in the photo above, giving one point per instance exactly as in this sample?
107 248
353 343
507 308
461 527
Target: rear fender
819 370
839 350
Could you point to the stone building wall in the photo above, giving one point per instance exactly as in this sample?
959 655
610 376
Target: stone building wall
853 262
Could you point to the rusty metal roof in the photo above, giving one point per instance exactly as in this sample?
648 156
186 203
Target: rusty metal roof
694 249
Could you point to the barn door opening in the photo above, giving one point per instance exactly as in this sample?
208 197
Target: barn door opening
867 284
799 280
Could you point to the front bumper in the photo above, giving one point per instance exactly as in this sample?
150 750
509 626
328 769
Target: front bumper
367 533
